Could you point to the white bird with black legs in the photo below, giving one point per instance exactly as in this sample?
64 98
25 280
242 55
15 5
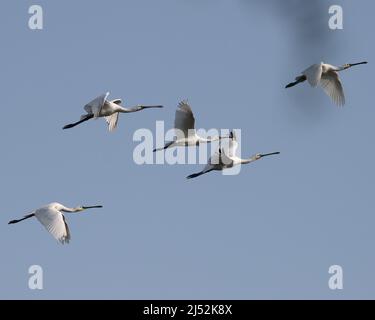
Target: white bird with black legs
110 110
52 218
327 77
222 160
184 125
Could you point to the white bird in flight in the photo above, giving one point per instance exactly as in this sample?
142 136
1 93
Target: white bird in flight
327 77
221 160
109 109
52 218
184 125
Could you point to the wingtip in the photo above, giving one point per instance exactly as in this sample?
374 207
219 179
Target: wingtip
182 102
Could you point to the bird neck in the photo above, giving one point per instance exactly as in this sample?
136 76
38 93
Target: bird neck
66 209
245 161
130 109
342 68
209 139
121 109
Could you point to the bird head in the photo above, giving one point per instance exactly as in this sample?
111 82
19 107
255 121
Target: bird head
261 155
88 207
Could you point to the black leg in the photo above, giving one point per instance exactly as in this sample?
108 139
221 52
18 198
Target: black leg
87 117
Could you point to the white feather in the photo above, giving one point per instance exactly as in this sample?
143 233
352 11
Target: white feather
95 106
313 74
184 119
112 121
331 84
53 220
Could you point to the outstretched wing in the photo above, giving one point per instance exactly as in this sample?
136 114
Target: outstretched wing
313 74
112 121
225 159
233 144
67 238
95 106
331 84
54 222
214 159
184 118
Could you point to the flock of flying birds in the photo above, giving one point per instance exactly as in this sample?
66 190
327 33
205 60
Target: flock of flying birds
51 216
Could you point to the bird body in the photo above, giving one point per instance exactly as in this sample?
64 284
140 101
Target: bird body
101 107
326 76
192 140
184 126
52 218
222 160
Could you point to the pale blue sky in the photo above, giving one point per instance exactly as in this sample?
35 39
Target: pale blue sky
270 232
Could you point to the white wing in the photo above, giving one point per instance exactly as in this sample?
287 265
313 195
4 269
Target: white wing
184 118
233 144
112 121
313 74
54 221
331 84
225 160
214 159
95 106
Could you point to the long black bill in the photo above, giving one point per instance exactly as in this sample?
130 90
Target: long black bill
269 154
356 64
147 107
91 207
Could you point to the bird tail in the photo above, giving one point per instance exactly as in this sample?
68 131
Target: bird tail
299 79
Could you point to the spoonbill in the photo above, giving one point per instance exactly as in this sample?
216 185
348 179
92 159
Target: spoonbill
109 109
52 218
327 77
220 160
184 122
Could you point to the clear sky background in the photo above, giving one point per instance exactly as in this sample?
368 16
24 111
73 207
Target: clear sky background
270 232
